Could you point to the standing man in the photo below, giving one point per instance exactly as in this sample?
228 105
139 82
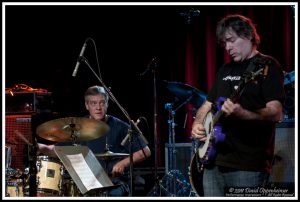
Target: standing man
244 158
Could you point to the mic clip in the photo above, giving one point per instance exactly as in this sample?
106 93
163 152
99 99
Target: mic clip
151 66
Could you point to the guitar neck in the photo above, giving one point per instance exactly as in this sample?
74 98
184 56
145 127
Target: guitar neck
237 92
233 97
217 116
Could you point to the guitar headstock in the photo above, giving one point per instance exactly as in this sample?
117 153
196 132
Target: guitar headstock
251 76
262 63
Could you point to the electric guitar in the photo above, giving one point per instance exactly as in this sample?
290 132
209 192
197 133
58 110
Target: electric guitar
206 150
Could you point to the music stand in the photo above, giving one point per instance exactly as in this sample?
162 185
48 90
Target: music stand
84 168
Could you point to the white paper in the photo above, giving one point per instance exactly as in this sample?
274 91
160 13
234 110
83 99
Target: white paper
84 172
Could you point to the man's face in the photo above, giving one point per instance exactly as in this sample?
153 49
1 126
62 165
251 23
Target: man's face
239 48
97 106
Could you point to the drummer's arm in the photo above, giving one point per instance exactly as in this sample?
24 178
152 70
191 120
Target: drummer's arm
137 157
141 155
47 150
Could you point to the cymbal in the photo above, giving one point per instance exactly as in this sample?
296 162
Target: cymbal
65 129
185 92
289 78
111 155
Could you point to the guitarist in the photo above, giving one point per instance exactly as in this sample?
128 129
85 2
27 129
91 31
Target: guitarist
244 158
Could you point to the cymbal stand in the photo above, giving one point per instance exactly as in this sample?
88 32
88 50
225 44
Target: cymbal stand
7 167
74 136
33 148
106 160
133 126
172 150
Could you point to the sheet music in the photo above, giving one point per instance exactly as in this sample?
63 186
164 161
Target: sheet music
84 172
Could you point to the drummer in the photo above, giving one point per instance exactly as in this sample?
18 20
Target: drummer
96 102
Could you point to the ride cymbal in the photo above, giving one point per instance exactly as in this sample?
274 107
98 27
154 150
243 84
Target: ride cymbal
111 155
186 92
72 128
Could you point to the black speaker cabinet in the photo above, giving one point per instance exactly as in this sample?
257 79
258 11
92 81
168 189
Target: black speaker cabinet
182 157
284 154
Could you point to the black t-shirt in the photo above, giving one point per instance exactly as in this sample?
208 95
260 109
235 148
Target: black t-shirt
249 145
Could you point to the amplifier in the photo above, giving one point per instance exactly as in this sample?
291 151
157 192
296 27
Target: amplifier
22 124
28 102
182 157
283 170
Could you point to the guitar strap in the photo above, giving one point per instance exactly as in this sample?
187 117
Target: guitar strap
253 64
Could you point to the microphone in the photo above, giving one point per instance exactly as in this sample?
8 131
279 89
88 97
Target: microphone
79 58
127 136
153 61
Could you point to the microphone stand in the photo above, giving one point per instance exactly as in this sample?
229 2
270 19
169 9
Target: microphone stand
133 126
152 66
155 126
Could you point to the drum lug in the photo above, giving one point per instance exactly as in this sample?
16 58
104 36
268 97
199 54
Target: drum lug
17 190
38 165
62 171
37 180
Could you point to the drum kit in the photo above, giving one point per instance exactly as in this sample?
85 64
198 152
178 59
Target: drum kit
52 178
174 182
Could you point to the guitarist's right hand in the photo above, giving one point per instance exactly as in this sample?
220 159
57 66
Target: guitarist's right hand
198 131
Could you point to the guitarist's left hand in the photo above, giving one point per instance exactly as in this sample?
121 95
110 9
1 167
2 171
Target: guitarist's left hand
230 108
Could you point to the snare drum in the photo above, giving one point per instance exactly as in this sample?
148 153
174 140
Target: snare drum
15 188
49 176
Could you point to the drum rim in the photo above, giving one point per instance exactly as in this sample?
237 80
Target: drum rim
48 159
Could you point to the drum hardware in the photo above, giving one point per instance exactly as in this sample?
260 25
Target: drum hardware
72 129
15 188
171 122
13 173
181 187
186 92
109 155
49 176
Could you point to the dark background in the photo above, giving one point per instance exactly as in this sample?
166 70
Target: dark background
42 44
